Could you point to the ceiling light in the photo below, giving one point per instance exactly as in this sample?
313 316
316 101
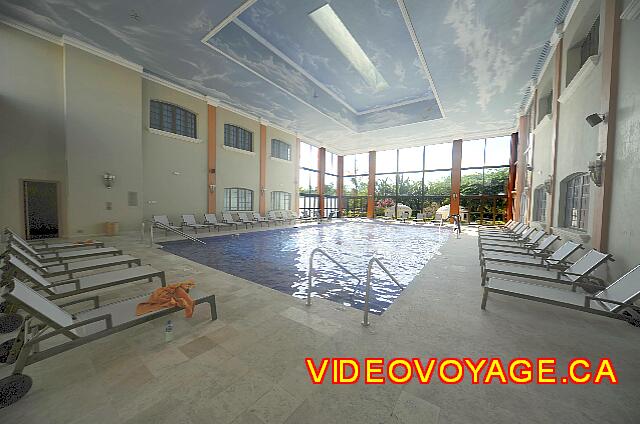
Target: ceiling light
331 25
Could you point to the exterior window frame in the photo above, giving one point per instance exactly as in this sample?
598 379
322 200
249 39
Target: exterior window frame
576 202
241 201
540 204
237 137
281 199
172 118
280 149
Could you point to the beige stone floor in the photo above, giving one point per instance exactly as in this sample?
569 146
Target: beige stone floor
247 367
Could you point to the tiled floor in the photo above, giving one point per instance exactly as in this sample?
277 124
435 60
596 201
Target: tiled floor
247 367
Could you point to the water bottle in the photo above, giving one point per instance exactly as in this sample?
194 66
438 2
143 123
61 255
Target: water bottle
168 332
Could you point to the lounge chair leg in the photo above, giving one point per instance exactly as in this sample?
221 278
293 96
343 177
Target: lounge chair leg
13 388
485 294
212 306
163 280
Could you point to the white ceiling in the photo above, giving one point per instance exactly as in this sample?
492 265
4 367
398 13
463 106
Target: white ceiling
455 69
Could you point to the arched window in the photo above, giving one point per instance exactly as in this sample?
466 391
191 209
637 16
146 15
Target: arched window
540 204
576 201
238 138
280 200
171 118
238 199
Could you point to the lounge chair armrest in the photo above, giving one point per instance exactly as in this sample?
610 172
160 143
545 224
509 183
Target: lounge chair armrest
518 274
95 299
589 299
73 281
106 318
511 261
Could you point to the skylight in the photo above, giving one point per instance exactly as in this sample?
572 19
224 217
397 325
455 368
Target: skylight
331 25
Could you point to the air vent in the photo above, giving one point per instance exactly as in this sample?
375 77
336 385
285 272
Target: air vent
133 198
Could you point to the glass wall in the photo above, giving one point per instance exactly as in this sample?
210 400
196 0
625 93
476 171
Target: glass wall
355 185
417 177
485 172
331 185
309 202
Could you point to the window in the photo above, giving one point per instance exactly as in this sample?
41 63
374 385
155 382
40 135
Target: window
280 200
590 44
576 206
545 106
238 138
309 200
540 204
280 150
172 118
238 199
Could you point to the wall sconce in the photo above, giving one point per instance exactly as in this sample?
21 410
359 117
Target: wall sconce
596 118
262 190
108 179
548 182
595 169
212 188
454 195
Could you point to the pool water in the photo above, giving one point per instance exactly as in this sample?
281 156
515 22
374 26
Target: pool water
279 258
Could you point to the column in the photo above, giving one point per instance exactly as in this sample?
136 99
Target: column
211 158
322 156
340 188
555 130
262 204
456 177
521 169
610 48
371 205
296 178
511 184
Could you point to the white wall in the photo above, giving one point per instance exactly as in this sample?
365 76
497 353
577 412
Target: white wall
31 117
166 193
280 174
624 231
103 134
236 168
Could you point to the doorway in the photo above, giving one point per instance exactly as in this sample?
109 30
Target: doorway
41 209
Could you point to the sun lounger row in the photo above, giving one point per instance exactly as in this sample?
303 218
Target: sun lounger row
41 285
210 220
520 262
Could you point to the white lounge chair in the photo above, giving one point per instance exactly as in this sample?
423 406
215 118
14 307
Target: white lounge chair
577 274
273 217
189 221
36 342
69 268
228 219
60 289
616 300
212 220
64 255
246 219
43 245
261 219
162 222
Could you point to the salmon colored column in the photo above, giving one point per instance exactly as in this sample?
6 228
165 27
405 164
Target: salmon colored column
296 178
511 184
340 188
211 158
521 168
371 192
262 204
456 177
322 158
555 135
610 17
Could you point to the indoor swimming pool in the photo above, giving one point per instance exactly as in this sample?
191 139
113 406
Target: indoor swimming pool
279 258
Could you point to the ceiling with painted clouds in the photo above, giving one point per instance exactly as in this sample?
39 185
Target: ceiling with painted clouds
351 75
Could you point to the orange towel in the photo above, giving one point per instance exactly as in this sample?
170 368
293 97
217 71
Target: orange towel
173 295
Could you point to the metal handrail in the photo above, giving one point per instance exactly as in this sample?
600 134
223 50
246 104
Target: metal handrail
365 321
319 250
168 228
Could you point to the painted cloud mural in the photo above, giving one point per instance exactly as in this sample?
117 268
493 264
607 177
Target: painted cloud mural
275 63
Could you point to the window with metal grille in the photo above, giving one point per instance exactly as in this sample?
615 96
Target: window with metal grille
238 199
280 200
576 207
590 43
172 118
238 138
540 204
280 150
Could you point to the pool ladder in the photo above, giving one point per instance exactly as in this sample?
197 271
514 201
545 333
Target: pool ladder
160 225
367 296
